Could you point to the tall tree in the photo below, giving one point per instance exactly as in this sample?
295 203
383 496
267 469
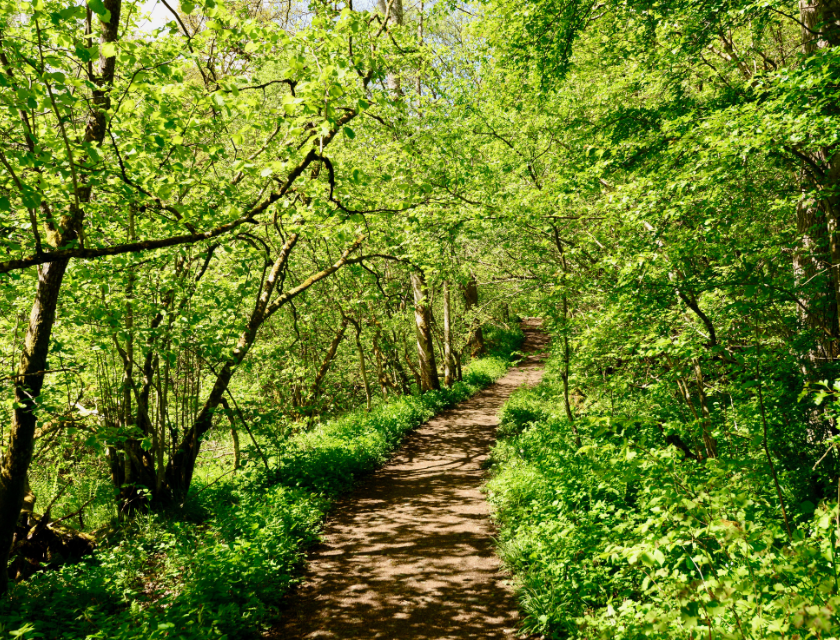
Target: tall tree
423 327
64 223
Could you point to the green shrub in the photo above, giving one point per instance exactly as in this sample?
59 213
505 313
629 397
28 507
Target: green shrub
166 575
522 409
501 342
626 538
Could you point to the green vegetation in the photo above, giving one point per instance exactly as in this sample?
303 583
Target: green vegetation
677 474
220 565
619 535
239 242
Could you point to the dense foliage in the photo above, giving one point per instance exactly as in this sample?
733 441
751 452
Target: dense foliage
677 475
622 537
223 234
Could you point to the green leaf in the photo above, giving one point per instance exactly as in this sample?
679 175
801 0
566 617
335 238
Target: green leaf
30 198
97 6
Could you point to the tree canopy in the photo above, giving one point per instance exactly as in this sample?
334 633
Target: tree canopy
261 216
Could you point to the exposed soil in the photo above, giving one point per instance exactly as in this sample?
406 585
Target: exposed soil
410 554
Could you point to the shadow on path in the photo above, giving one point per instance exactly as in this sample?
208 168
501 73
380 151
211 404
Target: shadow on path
409 553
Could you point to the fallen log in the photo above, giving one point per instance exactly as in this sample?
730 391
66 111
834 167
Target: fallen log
42 543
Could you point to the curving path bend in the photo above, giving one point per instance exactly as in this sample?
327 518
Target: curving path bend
409 554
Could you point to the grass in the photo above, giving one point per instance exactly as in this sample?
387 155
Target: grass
219 567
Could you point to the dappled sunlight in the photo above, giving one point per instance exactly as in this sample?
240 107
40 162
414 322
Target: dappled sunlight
410 553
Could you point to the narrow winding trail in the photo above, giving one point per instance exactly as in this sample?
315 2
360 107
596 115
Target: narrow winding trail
409 554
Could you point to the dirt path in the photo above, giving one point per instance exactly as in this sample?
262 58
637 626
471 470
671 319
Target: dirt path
409 554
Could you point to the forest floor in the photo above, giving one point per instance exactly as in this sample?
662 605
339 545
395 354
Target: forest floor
410 553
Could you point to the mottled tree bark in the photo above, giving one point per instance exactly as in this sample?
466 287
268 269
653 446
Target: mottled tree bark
449 371
423 323
28 383
476 336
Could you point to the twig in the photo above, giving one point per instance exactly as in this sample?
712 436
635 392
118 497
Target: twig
39 373
226 473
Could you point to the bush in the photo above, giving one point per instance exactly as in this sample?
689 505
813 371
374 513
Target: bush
501 342
521 409
627 538
165 575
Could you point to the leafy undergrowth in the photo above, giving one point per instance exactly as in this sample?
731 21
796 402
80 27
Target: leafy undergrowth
219 568
626 538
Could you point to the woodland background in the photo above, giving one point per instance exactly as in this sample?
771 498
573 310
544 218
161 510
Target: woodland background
243 253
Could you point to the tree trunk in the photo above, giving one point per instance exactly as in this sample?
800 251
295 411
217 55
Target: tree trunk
381 374
423 323
448 359
818 214
29 498
476 337
325 366
392 10
820 24
28 383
